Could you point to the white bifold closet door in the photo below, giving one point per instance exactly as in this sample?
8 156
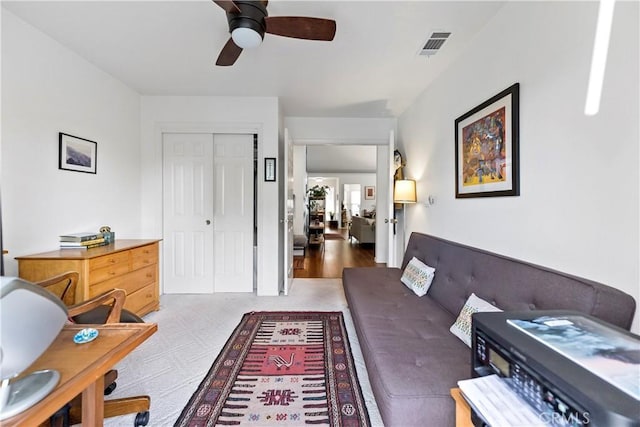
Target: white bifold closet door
208 196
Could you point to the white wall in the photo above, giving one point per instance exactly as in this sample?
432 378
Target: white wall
338 158
219 115
46 89
578 208
339 130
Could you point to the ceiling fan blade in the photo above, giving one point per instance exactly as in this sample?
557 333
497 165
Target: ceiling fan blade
229 54
228 5
301 27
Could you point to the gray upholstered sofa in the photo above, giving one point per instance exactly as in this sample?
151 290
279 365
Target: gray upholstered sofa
363 229
411 357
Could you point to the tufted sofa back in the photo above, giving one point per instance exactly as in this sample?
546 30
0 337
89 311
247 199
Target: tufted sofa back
512 285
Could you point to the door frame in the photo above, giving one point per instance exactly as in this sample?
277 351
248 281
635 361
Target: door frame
288 205
218 127
381 171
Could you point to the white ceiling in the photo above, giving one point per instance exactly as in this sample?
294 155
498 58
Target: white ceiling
371 69
341 159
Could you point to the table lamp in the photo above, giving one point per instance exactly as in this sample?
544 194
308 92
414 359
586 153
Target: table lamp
30 319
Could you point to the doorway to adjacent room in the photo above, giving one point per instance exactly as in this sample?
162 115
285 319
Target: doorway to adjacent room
330 246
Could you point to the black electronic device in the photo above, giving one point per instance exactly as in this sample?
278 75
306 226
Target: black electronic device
573 369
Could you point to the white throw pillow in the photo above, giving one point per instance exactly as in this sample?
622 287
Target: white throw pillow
417 276
462 327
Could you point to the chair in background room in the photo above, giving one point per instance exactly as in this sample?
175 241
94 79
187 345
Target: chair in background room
96 311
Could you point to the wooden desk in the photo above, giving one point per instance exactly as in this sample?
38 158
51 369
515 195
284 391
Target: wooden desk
82 368
463 413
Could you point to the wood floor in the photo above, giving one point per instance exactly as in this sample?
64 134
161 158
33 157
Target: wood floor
328 260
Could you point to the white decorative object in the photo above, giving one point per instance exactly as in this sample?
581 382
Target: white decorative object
418 276
462 327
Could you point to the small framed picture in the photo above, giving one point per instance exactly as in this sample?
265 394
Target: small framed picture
270 169
370 193
77 154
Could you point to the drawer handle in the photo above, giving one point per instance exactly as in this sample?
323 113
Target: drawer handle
112 261
149 275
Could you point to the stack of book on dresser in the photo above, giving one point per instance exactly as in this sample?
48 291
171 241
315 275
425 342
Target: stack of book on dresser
84 240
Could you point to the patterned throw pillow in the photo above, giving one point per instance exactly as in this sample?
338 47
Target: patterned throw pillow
462 327
417 276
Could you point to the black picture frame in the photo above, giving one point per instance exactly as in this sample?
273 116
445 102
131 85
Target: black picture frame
77 154
487 147
270 169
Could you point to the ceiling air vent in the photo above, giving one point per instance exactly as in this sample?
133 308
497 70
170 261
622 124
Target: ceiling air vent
435 42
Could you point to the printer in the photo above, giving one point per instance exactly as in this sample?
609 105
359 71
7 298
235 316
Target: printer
571 368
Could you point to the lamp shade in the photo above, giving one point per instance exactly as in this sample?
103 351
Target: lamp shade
404 191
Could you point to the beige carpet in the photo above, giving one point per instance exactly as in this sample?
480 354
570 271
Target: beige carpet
192 329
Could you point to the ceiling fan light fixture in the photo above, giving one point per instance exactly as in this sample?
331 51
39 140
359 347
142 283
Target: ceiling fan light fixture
246 38
249 21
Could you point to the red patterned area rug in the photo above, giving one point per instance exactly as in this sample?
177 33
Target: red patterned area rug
281 369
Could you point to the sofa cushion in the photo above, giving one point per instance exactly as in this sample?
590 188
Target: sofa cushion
412 359
462 326
417 276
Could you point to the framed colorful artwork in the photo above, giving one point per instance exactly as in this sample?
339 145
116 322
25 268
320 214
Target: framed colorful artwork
487 147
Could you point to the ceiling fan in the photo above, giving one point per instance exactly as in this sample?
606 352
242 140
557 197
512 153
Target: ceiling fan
249 21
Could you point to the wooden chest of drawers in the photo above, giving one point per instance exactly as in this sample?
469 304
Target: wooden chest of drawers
131 265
